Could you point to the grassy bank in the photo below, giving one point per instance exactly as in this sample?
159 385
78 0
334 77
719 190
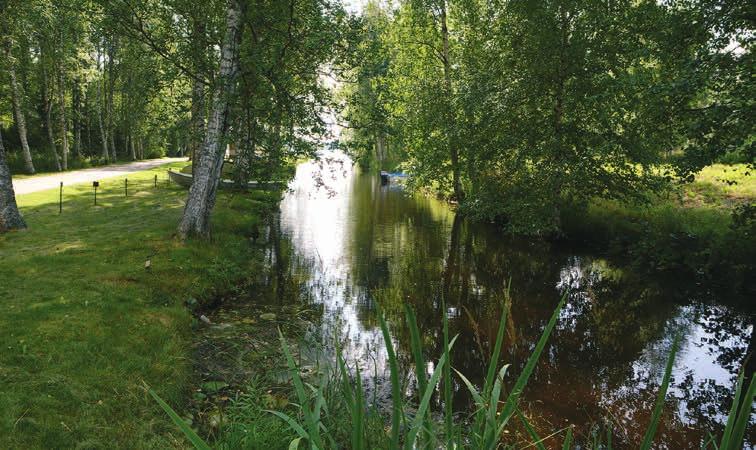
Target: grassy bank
706 228
86 323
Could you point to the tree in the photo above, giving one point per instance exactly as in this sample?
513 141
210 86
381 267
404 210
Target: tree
518 110
10 218
201 199
17 97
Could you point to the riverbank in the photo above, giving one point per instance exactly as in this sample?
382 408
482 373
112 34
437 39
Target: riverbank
705 229
95 308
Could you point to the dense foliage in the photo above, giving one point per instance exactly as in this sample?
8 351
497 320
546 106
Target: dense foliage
517 108
104 80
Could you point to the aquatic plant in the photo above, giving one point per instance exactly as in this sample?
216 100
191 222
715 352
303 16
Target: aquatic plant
353 424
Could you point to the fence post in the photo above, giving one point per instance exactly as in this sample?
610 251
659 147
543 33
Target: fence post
95 184
126 187
155 180
60 199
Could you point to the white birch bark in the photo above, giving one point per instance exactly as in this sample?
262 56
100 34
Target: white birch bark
47 106
10 217
196 218
18 113
62 118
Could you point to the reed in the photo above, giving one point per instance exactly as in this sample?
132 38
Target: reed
344 411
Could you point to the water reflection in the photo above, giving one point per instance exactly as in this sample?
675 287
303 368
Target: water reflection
344 242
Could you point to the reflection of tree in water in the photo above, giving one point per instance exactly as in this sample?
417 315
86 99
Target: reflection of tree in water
590 367
605 356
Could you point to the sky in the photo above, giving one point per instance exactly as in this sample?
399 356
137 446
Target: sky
354 5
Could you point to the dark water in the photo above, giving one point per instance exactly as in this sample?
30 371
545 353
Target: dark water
346 242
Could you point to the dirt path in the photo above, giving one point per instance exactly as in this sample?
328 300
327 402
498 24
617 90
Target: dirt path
43 182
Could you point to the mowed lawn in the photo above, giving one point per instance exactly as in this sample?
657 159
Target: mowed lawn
85 324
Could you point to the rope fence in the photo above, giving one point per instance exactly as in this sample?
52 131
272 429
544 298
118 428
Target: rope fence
124 187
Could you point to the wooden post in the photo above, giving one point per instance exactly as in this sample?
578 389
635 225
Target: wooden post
60 199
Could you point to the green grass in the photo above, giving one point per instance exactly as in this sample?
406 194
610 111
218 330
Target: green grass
85 324
692 229
721 186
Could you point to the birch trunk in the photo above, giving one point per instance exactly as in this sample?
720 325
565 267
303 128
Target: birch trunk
198 119
10 217
47 107
133 149
196 218
18 114
453 150
77 117
103 134
111 91
100 122
62 117
197 132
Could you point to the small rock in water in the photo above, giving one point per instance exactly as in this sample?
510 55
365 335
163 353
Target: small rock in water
268 316
205 319
148 264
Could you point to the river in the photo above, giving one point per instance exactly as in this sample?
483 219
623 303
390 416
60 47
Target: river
344 242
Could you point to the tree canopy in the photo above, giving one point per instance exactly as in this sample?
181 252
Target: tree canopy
534 105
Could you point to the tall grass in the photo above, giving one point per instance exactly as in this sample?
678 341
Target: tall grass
482 429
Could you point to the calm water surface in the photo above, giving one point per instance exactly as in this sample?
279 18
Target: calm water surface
343 242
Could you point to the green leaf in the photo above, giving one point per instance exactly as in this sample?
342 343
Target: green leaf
522 380
568 440
214 386
292 423
422 408
656 415
396 390
183 426
537 441
294 445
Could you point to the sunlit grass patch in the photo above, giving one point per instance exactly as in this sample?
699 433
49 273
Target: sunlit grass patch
721 185
85 321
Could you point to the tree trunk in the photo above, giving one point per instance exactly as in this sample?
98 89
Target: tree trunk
453 150
47 107
201 199
77 117
10 218
197 132
380 148
18 113
103 134
62 117
88 118
111 93
100 112
198 118
133 149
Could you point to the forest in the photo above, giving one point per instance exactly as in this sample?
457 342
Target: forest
619 129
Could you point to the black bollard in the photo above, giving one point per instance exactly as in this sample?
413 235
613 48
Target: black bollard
60 199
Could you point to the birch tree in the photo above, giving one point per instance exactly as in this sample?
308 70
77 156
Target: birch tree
10 217
201 199
17 98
